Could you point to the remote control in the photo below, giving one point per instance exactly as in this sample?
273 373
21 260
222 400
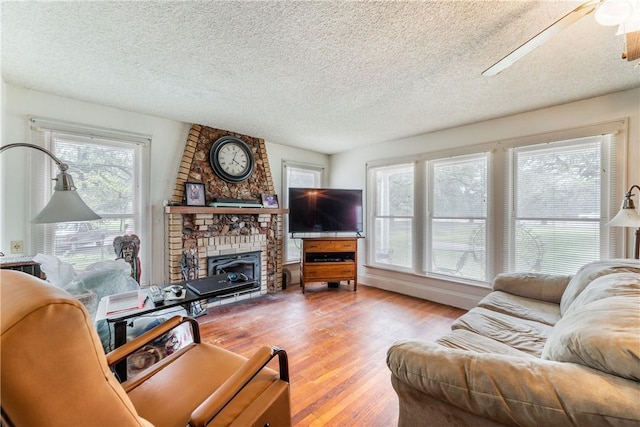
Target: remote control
156 294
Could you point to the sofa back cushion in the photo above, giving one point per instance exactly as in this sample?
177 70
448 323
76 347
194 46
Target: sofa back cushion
601 329
592 271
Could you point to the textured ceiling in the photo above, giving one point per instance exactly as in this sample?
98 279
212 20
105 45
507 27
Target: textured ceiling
325 76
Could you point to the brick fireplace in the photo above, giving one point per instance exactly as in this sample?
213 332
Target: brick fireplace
207 232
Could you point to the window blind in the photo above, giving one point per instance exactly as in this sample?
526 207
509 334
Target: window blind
561 199
457 231
393 217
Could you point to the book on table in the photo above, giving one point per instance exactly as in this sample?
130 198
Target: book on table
125 301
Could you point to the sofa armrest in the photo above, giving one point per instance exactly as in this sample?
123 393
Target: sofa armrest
543 287
513 390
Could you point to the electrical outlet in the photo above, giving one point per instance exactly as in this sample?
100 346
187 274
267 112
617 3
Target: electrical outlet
17 246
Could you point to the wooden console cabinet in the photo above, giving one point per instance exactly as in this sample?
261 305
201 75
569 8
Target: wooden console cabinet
329 259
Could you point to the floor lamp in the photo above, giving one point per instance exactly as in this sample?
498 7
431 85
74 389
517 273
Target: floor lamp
65 204
629 217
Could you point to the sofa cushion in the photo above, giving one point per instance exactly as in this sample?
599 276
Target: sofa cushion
592 271
463 339
602 331
538 286
524 308
524 335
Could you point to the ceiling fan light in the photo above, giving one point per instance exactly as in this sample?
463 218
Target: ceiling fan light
613 12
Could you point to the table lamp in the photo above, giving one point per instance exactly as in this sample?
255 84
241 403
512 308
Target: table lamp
628 217
65 204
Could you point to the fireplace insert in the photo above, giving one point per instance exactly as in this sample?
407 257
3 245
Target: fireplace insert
243 265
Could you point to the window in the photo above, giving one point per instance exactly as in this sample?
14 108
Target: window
108 176
303 176
393 215
538 203
458 216
557 205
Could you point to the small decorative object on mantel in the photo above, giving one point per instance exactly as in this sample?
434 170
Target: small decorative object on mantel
194 193
222 202
231 159
270 201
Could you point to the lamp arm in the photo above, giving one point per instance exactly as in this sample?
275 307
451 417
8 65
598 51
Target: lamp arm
61 165
631 189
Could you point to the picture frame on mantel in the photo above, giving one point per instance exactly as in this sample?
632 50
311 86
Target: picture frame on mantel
270 201
194 194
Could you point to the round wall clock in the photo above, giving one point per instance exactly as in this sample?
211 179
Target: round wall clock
231 159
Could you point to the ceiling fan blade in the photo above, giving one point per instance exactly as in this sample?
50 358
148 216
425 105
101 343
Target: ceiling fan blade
542 37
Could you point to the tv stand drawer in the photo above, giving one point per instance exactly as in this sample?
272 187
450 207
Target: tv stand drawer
331 245
330 271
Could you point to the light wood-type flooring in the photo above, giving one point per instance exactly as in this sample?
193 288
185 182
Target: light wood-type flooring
336 340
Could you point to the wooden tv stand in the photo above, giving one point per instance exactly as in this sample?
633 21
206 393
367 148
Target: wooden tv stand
329 259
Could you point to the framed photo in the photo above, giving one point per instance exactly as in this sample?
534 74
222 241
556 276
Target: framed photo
194 193
269 201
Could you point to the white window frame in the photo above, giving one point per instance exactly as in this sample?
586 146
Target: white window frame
41 130
499 194
429 261
287 165
374 216
606 196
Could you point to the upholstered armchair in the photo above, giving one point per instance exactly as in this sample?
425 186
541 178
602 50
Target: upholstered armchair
55 372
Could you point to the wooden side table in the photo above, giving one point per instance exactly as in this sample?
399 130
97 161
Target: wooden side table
22 263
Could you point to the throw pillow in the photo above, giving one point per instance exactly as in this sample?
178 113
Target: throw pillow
602 335
611 285
592 271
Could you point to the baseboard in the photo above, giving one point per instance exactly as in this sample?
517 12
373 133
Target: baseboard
440 291
447 292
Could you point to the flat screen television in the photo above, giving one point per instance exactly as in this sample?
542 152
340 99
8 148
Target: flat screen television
324 210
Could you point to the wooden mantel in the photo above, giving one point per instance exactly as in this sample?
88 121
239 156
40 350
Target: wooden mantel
216 211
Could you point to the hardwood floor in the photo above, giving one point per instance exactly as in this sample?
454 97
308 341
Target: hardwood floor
336 340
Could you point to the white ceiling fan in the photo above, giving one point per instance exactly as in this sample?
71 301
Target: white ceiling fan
625 13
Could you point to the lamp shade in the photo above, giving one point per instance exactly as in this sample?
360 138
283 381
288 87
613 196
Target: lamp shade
65 205
625 218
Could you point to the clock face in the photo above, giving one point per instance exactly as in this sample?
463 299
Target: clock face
231 159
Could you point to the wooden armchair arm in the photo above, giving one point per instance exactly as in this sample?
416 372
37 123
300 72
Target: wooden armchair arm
122 352
208 409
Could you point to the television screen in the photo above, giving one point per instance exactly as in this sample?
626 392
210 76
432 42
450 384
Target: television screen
319 210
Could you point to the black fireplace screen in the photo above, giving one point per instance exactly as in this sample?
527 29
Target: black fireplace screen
247 263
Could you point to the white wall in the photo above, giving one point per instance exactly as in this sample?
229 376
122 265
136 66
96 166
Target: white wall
345 170
168 140
277 153
349 170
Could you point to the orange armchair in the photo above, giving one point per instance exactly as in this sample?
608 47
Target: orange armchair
55 372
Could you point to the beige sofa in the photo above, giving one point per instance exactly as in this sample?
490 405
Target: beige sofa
540 350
